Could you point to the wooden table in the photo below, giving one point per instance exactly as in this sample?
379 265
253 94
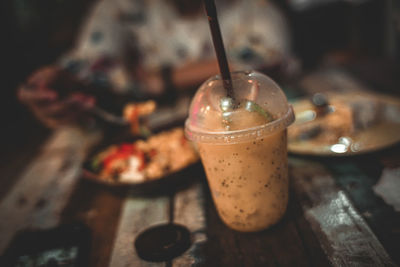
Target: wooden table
333 217
322 227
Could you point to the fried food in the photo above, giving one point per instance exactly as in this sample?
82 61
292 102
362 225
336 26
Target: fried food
133 111
158 156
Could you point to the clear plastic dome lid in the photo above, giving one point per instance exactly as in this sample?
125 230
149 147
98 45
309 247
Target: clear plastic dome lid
260 108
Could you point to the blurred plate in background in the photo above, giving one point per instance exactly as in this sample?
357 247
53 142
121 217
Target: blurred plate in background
358 122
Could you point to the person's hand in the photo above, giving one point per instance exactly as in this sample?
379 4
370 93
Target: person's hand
48 103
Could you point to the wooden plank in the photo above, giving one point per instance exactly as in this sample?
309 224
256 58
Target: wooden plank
189 212
99 208
230 248
42 191
280 245
312 247
221 248
15 156
343 234
53 200
137 214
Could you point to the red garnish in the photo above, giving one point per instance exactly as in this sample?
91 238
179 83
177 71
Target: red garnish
123 152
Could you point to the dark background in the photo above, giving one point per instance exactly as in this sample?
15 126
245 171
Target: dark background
363 35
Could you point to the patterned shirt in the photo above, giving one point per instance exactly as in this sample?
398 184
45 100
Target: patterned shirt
151 33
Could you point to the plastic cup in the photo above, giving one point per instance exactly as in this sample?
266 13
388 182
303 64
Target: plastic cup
243 148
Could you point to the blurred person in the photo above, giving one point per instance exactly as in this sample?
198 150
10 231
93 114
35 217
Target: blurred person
152 49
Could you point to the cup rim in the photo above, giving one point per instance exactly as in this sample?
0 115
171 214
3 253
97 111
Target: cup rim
237 136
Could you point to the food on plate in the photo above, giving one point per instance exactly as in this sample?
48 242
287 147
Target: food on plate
160 155
326 128
342 119
350 123
133 111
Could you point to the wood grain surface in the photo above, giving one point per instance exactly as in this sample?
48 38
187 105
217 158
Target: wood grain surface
137 215
321 227
343 234
41 192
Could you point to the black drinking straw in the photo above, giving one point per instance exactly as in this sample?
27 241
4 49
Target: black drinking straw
219 46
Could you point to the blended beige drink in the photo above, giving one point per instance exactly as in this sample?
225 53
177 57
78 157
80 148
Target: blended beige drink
248 180
243 148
